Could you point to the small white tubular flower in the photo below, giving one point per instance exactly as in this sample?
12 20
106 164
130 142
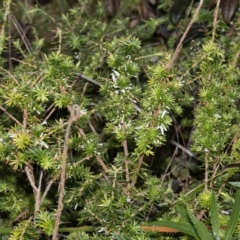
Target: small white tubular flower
83 111
115 75
12 135
216 115
43 144
163 113
162 128
102 229
44 122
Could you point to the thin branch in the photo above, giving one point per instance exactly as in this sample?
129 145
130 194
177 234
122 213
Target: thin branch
216 10
179 46
88 79
31 179
140 161
25 118
168 166
84 89
100 161
38 195
25 63
48 188
49 115
22 34
10 115
9 43
23 214
38 78
82 160
9 74
125 147
184 149
63 169
92 127
206 170
236 59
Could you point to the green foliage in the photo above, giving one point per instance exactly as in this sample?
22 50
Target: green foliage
90 111
192 226
46 222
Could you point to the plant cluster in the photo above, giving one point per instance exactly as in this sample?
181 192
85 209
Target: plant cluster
92 111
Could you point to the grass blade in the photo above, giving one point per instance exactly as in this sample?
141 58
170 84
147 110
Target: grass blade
201 229
214 217
234 217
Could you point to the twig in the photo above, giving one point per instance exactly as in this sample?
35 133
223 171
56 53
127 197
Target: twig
10 115
38 195
140 161
179 46
9 43
12 77
25 63
82 160
49 115
48 188
31 179
92 128
22 34
74 110
215 19
184 149
236 59
25 118
100 161
125 147
38 78
168 166
206 170
21 215
88 79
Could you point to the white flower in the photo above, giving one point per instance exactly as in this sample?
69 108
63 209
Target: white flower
83 111
162 128
163 113
44 122
216 115
43 144
115 75
128 200
102 229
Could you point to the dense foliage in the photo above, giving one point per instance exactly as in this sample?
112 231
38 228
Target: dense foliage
116 115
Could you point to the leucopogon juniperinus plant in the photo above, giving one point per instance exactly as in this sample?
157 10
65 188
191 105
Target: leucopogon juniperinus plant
81 123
